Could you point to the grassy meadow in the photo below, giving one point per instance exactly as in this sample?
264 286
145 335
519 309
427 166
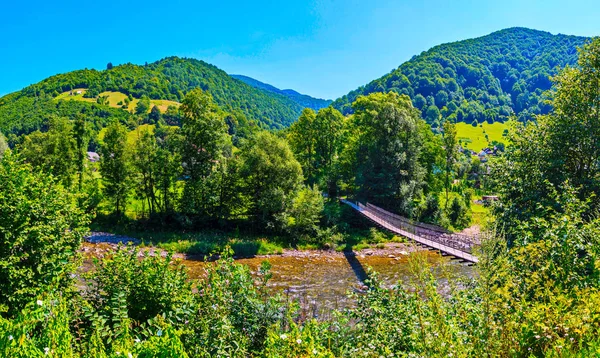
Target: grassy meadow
116 97
477 138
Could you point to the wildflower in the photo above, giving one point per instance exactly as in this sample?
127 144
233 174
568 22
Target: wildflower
159 332
10 338
283 336
137 340
298 341
314 351
46 350
129 355
537 337
40 302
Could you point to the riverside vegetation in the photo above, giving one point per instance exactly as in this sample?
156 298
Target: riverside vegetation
535 293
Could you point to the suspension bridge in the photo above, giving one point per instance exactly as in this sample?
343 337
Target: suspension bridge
433 237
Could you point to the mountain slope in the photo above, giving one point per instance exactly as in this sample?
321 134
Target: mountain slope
168 79
483 79
305 101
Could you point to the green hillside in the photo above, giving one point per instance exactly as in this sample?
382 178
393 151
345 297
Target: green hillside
305 101
166 80
485 79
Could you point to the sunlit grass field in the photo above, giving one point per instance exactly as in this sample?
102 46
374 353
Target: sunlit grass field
477 138
132 135
116 97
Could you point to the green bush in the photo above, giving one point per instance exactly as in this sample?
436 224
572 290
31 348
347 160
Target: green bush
41 229
232 314
301 219
459 214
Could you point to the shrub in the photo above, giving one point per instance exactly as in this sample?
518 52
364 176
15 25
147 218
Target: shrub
430 211
232 314
302 218
41 228
459 214
150 286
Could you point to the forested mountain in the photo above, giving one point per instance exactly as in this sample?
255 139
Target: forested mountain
483 79
303 100
168 79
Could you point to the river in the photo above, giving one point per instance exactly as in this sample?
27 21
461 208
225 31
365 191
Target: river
321 280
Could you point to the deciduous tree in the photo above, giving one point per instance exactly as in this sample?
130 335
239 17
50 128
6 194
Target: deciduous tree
387 151
115 166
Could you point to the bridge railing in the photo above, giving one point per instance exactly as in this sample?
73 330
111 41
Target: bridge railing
459 242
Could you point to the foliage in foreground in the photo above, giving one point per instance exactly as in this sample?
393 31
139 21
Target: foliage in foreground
540 299
41 228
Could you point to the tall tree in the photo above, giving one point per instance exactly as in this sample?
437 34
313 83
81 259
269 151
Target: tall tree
387 151
451 150
115 166
142 106
154 115
302 137
204 141
81 135
271 175
167 164
145 154
328 125
53 152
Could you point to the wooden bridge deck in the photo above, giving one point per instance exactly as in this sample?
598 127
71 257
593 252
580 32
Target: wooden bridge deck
458 246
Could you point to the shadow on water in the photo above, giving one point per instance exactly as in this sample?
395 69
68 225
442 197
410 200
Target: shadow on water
356 266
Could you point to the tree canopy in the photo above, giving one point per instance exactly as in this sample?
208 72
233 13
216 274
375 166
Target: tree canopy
484 79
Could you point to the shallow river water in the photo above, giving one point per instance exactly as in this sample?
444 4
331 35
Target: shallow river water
321 280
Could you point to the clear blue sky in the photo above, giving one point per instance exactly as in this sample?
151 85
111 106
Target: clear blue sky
322 48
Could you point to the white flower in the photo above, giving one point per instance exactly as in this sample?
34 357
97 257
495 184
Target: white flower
10 338
283 336
298 341
46 350
159 332
40 302
314 352
137 340
129 355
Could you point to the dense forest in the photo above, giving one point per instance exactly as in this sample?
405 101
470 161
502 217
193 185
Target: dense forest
169 79
303 100
485 79
535 290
